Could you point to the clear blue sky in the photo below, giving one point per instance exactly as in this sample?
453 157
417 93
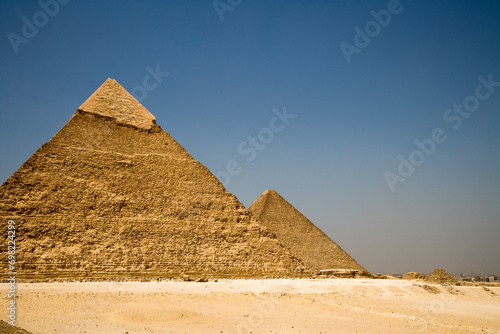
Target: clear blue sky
353 119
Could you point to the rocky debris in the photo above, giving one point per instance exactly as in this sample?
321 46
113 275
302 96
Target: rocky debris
5 328
306 241
453 291
430 288
364 274
493 294
201 280
440 276
380 276
114 195
344 273
414 275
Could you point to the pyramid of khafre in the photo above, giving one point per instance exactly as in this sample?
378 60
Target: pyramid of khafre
113 194
306 242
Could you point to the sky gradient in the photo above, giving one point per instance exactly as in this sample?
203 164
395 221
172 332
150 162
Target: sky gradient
353 119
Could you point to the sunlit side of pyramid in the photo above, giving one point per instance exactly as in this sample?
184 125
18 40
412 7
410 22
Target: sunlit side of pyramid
306 242
113 194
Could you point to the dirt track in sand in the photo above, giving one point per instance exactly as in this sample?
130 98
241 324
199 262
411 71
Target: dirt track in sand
256 306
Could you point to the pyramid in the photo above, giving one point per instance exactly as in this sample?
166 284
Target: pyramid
306 242
112 194
439 275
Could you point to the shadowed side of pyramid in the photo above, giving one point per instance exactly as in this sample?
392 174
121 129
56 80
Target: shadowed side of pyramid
113 194
306 242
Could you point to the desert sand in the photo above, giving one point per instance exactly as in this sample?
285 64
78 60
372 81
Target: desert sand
257 306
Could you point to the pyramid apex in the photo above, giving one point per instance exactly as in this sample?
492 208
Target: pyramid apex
270 192
112 100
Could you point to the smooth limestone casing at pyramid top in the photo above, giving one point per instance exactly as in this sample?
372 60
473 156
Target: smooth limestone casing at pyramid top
113 194
306 242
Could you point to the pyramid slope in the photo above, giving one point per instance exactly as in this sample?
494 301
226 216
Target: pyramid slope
112 100
439 275
306 242
103 198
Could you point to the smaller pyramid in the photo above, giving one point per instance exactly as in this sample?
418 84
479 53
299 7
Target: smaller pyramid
414 275
113 101
306 241
440 276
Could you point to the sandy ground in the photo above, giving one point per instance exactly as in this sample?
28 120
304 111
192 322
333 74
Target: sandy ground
256 306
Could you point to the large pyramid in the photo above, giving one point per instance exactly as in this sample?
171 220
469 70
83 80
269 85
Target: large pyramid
306 242
112 194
